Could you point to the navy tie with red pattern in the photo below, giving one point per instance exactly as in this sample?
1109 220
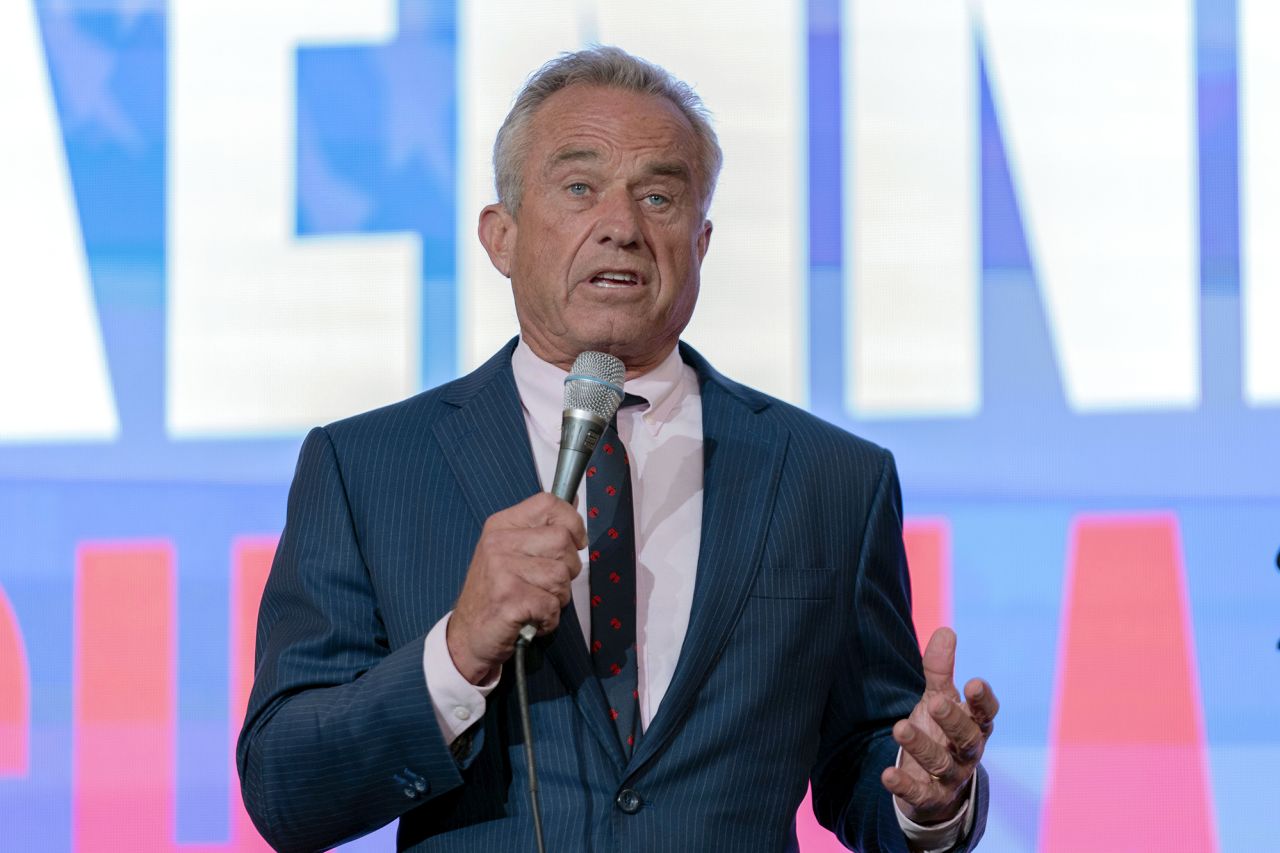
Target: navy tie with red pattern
612 552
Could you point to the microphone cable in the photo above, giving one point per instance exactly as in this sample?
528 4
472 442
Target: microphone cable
526 725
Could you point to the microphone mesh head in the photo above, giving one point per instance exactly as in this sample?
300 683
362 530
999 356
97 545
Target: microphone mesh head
595 384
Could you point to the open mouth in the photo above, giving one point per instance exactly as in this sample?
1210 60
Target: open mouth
615 280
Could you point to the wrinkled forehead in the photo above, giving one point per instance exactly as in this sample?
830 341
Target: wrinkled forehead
590 125
654 164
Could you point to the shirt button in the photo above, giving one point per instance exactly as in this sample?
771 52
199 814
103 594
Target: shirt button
462 712
629 801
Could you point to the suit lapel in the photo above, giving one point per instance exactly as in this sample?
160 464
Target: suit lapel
742 459
567 651
487 444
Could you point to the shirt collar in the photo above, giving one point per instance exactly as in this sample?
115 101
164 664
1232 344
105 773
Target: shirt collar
541 388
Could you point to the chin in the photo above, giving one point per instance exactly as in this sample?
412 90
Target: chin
632 340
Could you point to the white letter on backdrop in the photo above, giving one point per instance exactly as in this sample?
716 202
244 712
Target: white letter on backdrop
1260 200
54 384
269 332
1095 106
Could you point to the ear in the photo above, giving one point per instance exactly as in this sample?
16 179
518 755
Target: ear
704 240
497 232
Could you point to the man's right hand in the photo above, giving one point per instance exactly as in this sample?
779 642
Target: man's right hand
520 573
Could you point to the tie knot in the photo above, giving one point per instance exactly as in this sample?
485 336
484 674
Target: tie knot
627 400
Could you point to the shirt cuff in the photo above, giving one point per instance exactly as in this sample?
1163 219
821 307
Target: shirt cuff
938 837
457 702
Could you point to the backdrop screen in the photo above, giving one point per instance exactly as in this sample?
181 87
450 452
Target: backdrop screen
1022 244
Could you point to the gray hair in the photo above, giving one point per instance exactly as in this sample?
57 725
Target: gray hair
609 67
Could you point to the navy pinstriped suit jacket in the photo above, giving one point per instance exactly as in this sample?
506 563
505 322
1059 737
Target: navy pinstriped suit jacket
800 653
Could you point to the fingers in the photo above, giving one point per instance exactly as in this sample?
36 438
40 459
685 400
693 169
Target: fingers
543 611
520 573
940 746
944 737
552 542
932 756
922 797
549 576
983 705
906 786
965 737
542 510
509 578
940 663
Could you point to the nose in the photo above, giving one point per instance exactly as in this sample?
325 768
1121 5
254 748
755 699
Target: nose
619 221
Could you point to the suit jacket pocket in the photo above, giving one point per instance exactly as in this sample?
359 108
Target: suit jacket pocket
794 583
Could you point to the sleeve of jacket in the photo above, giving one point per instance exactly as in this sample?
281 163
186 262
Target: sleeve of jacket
339 737
879 685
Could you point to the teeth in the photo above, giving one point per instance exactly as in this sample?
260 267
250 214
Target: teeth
617 276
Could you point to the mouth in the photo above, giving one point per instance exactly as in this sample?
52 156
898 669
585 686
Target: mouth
615 280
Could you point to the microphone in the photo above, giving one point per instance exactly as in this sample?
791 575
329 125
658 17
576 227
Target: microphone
592 395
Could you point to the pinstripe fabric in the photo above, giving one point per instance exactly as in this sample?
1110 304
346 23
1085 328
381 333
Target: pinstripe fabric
799 657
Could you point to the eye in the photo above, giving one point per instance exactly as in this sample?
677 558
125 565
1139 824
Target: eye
657 200
578 188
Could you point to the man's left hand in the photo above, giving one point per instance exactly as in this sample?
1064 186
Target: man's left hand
943 739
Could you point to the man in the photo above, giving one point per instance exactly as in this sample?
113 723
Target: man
767 628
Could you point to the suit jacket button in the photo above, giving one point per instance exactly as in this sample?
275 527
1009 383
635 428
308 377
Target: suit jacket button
410 793
629 801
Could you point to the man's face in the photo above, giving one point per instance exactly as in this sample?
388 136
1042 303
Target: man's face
604 251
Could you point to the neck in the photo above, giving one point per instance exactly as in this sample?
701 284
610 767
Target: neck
636 365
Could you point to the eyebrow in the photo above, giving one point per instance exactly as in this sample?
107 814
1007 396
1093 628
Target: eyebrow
668 169
571 155
661 168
